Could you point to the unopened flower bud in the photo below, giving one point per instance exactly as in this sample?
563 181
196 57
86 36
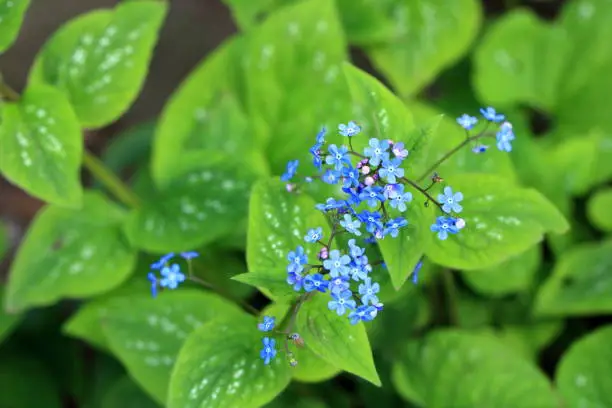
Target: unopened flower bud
323 253
436 178
460 223
290 187
297 340
365 170
308 179
369 181
375 176
292 360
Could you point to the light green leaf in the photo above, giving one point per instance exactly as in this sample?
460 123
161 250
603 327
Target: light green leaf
580 283
42 146
12 13
366 22
247 14
520 59
197 208
516 274
502 220
205 115
278 222
583 375
531 337
70 254
335 340
125 393
432 373
598 209
268 281
146 333
100 59
219 366
8 321
429 36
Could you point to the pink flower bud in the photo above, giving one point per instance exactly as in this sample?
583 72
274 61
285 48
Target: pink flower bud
323 253
365 170
369 181
460 223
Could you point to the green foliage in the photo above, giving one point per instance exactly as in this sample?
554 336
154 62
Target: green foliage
598 209
8 321
11 16
124 392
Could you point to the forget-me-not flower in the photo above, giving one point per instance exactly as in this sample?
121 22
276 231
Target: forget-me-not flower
352 226
491 115
466 121
450 201
267 324
444 226
377 151
391 170
291 170
268 352
338 156
341 302
368 291
337 263
350 129
313 235
171 276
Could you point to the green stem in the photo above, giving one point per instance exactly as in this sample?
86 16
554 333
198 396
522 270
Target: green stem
7 93
422 191
110 180
451 296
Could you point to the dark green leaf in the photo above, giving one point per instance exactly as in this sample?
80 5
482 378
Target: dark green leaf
598 209
7 321
125 393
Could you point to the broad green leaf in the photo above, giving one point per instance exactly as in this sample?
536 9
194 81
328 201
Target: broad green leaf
461 369
513 275
580 283
70 254
125 393
598 209
294 79
296 400
12 13
429 36
269 281
204 115
219 366
7 321
583 375
196 208
42 146
520 59
366 22
146 333
335 340
247 14
278 222
502 220
531 337
100 59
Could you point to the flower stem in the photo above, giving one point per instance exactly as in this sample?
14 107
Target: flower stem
224 294
110 180
7 93
422 191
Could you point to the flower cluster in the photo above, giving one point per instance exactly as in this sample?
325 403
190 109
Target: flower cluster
268 352
171 273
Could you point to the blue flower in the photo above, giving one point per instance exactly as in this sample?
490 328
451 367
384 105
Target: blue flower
330 204
341 301
321 136
162 261
353 197
354 250
297 259
368 291
373 195
350 177
398 198
371 220
415 272
444 226
153 279
391 190
171 276
359 268
363 313
313 235
189 255
349 130
337 263
377 152
504 137
296 280
391 170
450 201
317 161
292 166
267 324
352 226
393 226
478 149
338 284
338 156
399 151
331 176
315 282
490 114
268 352
467 122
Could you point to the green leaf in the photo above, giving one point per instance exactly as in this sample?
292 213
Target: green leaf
125 393
100 59
598 209
197 208
268 281
219 366
583 375
4 240
278 222
293 77
580 283
429 37
146 334
531 337
70 254
432 373
335 340
520 59
130 148
12 13
366 22
7 321
205 115
42 146
516 274
501 221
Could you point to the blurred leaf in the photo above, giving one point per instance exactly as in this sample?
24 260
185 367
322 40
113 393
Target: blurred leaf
335 340
366 22
295 400
580 283
125 393
218 267
598 209
461 369
582 376
12 13
42 146
70 254
516 274
130 147
501 221
219 366
146 334
278 222
7 321
531 337
472 312
100 59
429 37
104 372
5 242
